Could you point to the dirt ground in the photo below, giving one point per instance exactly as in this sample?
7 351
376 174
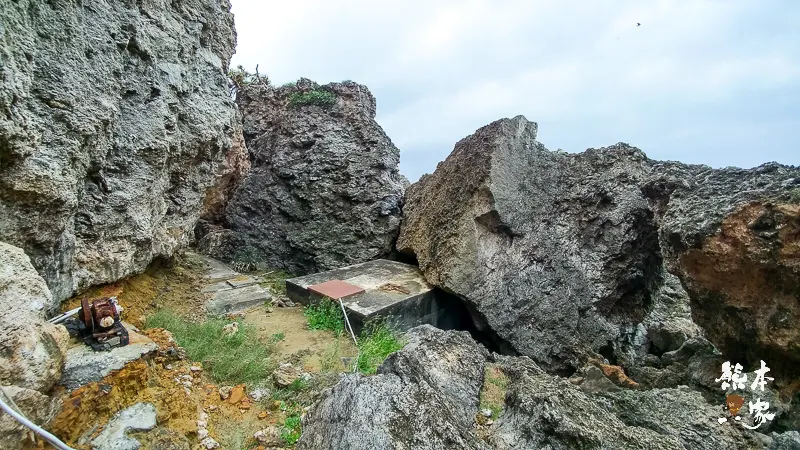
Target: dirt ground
179 388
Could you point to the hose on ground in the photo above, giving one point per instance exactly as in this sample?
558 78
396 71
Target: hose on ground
32 426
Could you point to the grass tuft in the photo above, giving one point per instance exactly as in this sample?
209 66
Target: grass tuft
317 97
377 341
238 358
275 281
326 314
493 391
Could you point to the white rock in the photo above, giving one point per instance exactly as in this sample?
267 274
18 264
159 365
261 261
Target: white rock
209 443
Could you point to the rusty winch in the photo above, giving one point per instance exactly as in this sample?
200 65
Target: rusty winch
97 322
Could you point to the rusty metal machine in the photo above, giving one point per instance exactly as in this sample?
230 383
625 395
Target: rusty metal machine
97 323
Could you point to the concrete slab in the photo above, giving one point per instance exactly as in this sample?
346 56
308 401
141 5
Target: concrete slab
216 287
218 269
139 417
394 291
242 281
236 300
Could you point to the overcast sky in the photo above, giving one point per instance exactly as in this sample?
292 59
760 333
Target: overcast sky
702 81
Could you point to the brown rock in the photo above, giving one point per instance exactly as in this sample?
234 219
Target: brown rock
617 376
745 282
262 415
237 394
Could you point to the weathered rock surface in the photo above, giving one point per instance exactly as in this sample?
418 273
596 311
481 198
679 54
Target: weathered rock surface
33 404
117 119
556 250
423 397
139 417
84 365
569 255
324 189
543 411
31 350
734 241
426 396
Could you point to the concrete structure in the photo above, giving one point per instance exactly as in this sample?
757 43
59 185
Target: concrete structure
232 291
394 291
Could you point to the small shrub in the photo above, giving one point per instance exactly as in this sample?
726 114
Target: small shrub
275 281
277 337
377 341
317 97
238 358
326 314
291 429
794 195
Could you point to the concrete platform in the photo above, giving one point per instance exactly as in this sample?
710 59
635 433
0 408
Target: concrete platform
237 300
394 291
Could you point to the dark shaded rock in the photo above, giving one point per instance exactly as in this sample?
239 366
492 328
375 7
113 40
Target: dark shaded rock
557 251
117 119
423 397
426 396
738 254
608 254
543 411
324 189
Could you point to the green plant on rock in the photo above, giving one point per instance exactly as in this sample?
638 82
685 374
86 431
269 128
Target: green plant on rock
377 341
316 97
245 259
292 429
326 314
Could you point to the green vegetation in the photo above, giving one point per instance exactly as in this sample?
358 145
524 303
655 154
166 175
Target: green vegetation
291 429
233 359
239 78
317 97
275 281
493 392
326 314
377 341
794 195
245 259
277 337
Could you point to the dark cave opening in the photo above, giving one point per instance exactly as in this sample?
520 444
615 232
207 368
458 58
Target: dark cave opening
451 312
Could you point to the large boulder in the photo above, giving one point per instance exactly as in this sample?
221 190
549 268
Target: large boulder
324 189
732 236
117 118
31 350
423 397
556 251
569 255
426 396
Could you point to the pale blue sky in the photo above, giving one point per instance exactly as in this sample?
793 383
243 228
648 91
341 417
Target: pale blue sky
704 81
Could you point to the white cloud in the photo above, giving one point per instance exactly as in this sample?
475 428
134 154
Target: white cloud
679 86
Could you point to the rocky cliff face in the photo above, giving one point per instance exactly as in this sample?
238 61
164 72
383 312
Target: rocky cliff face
607 254
115 120
324 189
